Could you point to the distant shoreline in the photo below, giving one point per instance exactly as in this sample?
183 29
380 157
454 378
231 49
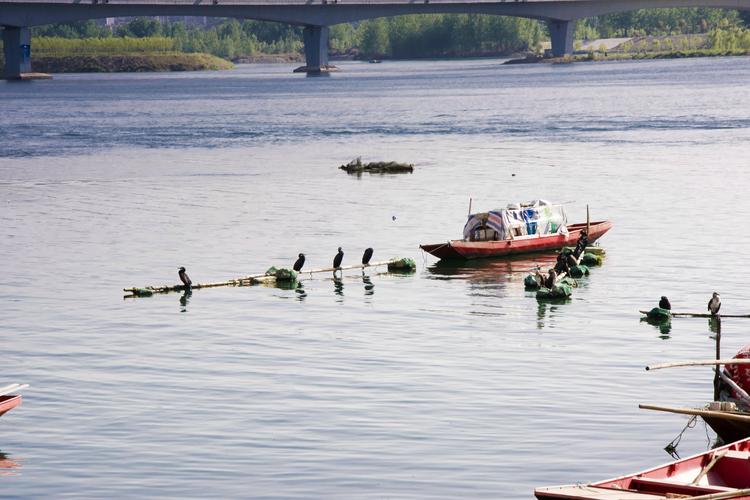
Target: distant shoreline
637 56
128 63
179 61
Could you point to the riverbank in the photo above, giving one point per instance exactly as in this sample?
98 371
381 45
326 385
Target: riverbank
664 47
625 56
169 61
126 63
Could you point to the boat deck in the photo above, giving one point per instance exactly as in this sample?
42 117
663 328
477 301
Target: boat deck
594 493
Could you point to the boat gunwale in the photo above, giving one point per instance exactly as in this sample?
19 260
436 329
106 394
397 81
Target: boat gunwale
741 445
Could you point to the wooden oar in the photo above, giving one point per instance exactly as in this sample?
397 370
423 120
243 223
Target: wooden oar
723 496
692 411
707 362
701 315
12 388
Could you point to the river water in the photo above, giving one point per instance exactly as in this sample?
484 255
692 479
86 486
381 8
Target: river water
449 383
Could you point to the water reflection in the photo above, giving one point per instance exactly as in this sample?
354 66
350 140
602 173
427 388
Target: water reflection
8 466
369 287
300 291
546 310
663 325
483 271
714 326
338 286
185 299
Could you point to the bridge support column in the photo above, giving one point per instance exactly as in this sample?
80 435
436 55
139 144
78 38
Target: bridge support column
17 51
561 33
316 51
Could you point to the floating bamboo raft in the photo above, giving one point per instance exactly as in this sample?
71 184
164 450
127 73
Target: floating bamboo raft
253 279
702 315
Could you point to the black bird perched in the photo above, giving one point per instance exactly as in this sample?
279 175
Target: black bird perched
367 256
562 265
337 259
300 262
664 303
581 244
714 304
185 278
551 279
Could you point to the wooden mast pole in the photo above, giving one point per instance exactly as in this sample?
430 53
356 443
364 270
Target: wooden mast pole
717 378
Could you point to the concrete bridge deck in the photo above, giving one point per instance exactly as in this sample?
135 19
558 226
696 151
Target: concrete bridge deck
16 16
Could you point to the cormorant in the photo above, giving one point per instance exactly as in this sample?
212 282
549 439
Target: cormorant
300 262
562 265
367 256
337 259
581 244
185 278
714 304
551 279
664 303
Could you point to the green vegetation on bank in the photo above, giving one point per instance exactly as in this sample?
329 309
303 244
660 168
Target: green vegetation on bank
114 54
131 63
411 36
56 45
717 42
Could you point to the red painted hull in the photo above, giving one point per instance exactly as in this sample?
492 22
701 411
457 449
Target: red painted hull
8 402
459 249
721 470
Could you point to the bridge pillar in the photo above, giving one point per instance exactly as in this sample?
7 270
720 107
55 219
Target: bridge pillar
561 34
316 51
17 51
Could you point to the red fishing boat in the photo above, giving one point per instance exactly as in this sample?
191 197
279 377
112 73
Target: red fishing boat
9 401
716 474
536 226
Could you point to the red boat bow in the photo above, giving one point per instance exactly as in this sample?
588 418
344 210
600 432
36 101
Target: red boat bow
460 249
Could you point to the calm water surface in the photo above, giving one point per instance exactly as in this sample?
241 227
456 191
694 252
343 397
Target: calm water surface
451 383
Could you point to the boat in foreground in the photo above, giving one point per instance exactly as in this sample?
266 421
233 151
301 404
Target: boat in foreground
9 401
519 229
720 473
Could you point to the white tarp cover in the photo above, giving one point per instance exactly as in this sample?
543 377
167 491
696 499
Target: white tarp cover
536 217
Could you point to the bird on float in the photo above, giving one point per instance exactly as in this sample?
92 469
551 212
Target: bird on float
337 259
366 258
664 303
186 281
714 304
299 263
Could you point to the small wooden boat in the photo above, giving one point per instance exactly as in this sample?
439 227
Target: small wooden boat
9 401
721 473
466 249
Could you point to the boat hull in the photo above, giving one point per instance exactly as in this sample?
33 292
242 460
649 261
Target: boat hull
723 471
8 402
459 249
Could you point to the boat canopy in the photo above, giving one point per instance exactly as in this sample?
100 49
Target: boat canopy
538 217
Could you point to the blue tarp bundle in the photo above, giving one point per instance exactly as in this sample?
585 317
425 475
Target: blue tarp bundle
538 217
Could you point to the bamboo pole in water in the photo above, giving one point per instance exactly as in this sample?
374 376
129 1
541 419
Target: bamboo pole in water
245 281
706 362
701 315
717 378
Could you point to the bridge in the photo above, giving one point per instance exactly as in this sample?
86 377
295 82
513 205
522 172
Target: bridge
16 16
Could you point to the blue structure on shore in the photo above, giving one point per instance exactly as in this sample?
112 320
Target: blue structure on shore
16 16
